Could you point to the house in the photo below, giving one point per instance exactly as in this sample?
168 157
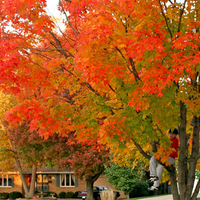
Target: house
49 180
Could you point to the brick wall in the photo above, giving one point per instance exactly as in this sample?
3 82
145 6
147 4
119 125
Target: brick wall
54 188
101 181
17 185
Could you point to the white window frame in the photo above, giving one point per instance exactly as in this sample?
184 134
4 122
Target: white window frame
5 176
70 178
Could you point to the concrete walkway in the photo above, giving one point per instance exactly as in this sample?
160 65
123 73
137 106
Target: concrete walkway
164 197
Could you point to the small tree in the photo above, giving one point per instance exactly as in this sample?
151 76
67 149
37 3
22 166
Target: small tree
85 159
123 177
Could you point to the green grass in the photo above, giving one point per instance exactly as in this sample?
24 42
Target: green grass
146 197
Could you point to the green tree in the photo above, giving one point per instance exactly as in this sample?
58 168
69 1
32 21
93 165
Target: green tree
123 177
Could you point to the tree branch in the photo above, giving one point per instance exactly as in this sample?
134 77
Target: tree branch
61 49
196 191
111 88
68 101
162 11
91 88
159 129
124 58
11 151
134 69
68 18
181 14
197 157
141 150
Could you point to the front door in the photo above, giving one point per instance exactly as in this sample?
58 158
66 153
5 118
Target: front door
42 183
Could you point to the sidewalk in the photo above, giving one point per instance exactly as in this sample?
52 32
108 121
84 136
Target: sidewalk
164 197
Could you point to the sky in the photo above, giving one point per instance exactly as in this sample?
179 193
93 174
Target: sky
52 7
52 10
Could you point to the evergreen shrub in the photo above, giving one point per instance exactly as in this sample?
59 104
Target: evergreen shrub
4 195
140 189
62 194
69 195
76 194
15 195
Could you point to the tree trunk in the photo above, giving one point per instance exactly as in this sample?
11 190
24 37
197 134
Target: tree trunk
128 196
182 161
29 193
187 166
172 174
25 186
89 184
193 160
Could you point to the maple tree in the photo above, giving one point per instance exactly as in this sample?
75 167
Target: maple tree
21 149
11 145
85 159
27 150
124 71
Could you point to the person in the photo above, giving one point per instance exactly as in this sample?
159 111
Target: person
156 171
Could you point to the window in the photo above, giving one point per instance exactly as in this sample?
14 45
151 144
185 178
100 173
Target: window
42 183
67 180
5 181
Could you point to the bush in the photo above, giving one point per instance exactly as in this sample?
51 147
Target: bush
51 194
62 194
4 195
76 194
140 189
69 195
15 195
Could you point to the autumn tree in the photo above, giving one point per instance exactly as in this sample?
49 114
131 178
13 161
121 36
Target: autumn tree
85 159
88 162
129 70
143 57
21 149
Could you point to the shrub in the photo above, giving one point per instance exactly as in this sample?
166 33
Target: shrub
4 195
140 189
62 194
51 194
76 194
15 195
69 195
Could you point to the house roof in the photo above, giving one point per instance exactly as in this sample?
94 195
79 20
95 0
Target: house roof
43 170
53 170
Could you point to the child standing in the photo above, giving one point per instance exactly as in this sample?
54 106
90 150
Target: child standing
156 171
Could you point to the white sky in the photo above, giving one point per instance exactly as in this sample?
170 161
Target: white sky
52 7
52 10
